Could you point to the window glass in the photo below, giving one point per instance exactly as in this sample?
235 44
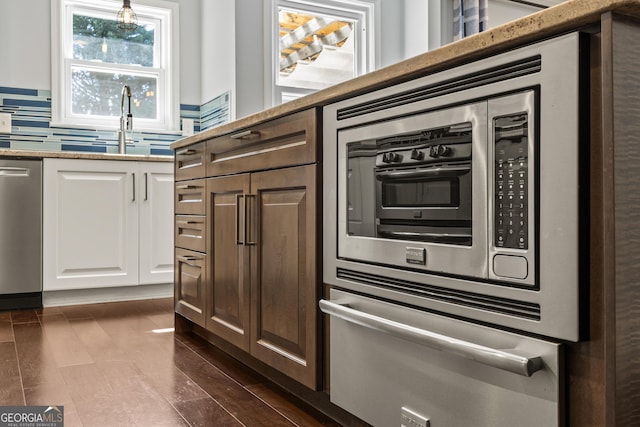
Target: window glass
97 39
98 93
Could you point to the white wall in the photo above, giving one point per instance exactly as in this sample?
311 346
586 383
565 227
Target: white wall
249 62
218 54
25 47
190 41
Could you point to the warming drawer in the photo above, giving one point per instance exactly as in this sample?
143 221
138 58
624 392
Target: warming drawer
389 361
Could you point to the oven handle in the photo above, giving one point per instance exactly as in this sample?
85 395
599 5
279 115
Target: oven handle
413 234
500 359
383 175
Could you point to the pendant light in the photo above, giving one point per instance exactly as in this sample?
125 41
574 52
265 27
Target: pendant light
126 17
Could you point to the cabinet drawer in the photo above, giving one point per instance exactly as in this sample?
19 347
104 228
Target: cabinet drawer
190 197
190 232
190 162
190 285
287 141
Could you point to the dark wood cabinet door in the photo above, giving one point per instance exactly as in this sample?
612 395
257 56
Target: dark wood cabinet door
284 283
189 285
228 298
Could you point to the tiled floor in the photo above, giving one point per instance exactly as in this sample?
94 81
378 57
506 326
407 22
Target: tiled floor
113 365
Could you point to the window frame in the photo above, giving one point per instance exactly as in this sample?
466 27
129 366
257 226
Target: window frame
165 68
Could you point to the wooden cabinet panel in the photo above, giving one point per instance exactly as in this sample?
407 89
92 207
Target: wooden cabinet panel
284 284
190 197
190 162
283 142
190 273
228 299
259 201
190 232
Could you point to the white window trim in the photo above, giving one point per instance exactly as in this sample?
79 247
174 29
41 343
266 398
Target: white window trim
363 12
168 67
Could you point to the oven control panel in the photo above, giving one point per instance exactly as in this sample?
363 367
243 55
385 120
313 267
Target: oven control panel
511 222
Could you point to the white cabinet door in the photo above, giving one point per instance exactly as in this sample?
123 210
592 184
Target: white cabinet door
90 224
156 222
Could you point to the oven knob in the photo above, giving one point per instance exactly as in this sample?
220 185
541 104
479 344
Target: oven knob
417 155
390 157
439 151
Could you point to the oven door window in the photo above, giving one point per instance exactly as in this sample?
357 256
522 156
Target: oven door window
420 192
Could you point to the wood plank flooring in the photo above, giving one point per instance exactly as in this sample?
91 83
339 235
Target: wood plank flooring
113 365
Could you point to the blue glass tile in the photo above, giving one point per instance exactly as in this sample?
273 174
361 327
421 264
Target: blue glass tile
27 103
18 91
189 107
161 152
88 148
5 144
30 123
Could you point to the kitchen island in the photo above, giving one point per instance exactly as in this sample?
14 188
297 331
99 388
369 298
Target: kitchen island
600 370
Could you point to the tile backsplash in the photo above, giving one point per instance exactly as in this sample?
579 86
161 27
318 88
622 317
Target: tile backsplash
30 111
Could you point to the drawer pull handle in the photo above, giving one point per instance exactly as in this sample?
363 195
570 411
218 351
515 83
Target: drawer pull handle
188 258
188 222
238 241
186 152
506 361
247 134
184 187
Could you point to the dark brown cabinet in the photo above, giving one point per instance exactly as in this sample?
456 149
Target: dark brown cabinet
253 224
228 314
284 285
189 235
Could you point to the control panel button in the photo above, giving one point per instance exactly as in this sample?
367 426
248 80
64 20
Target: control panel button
511 182
513 267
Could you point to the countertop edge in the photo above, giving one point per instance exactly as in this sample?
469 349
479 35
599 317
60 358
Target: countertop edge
82 155
555 20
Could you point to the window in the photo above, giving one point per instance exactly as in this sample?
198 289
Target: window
92 60
319 43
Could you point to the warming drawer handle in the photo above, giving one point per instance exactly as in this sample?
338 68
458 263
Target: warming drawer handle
500 359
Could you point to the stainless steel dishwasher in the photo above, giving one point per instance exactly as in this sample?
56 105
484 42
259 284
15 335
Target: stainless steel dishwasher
20 233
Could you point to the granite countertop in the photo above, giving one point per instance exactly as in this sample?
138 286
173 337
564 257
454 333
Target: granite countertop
564 17
82 155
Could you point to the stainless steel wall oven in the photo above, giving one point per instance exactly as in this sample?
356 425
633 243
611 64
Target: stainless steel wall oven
456 196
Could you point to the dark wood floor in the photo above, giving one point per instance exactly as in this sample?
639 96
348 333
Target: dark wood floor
108 367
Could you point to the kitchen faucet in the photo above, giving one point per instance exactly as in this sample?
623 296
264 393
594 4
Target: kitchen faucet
126 124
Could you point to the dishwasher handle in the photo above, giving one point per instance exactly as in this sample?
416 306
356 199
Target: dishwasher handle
13 171
506 361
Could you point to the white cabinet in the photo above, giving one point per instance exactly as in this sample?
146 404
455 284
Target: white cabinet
106 223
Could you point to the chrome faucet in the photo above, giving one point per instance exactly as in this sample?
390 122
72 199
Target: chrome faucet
126 123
